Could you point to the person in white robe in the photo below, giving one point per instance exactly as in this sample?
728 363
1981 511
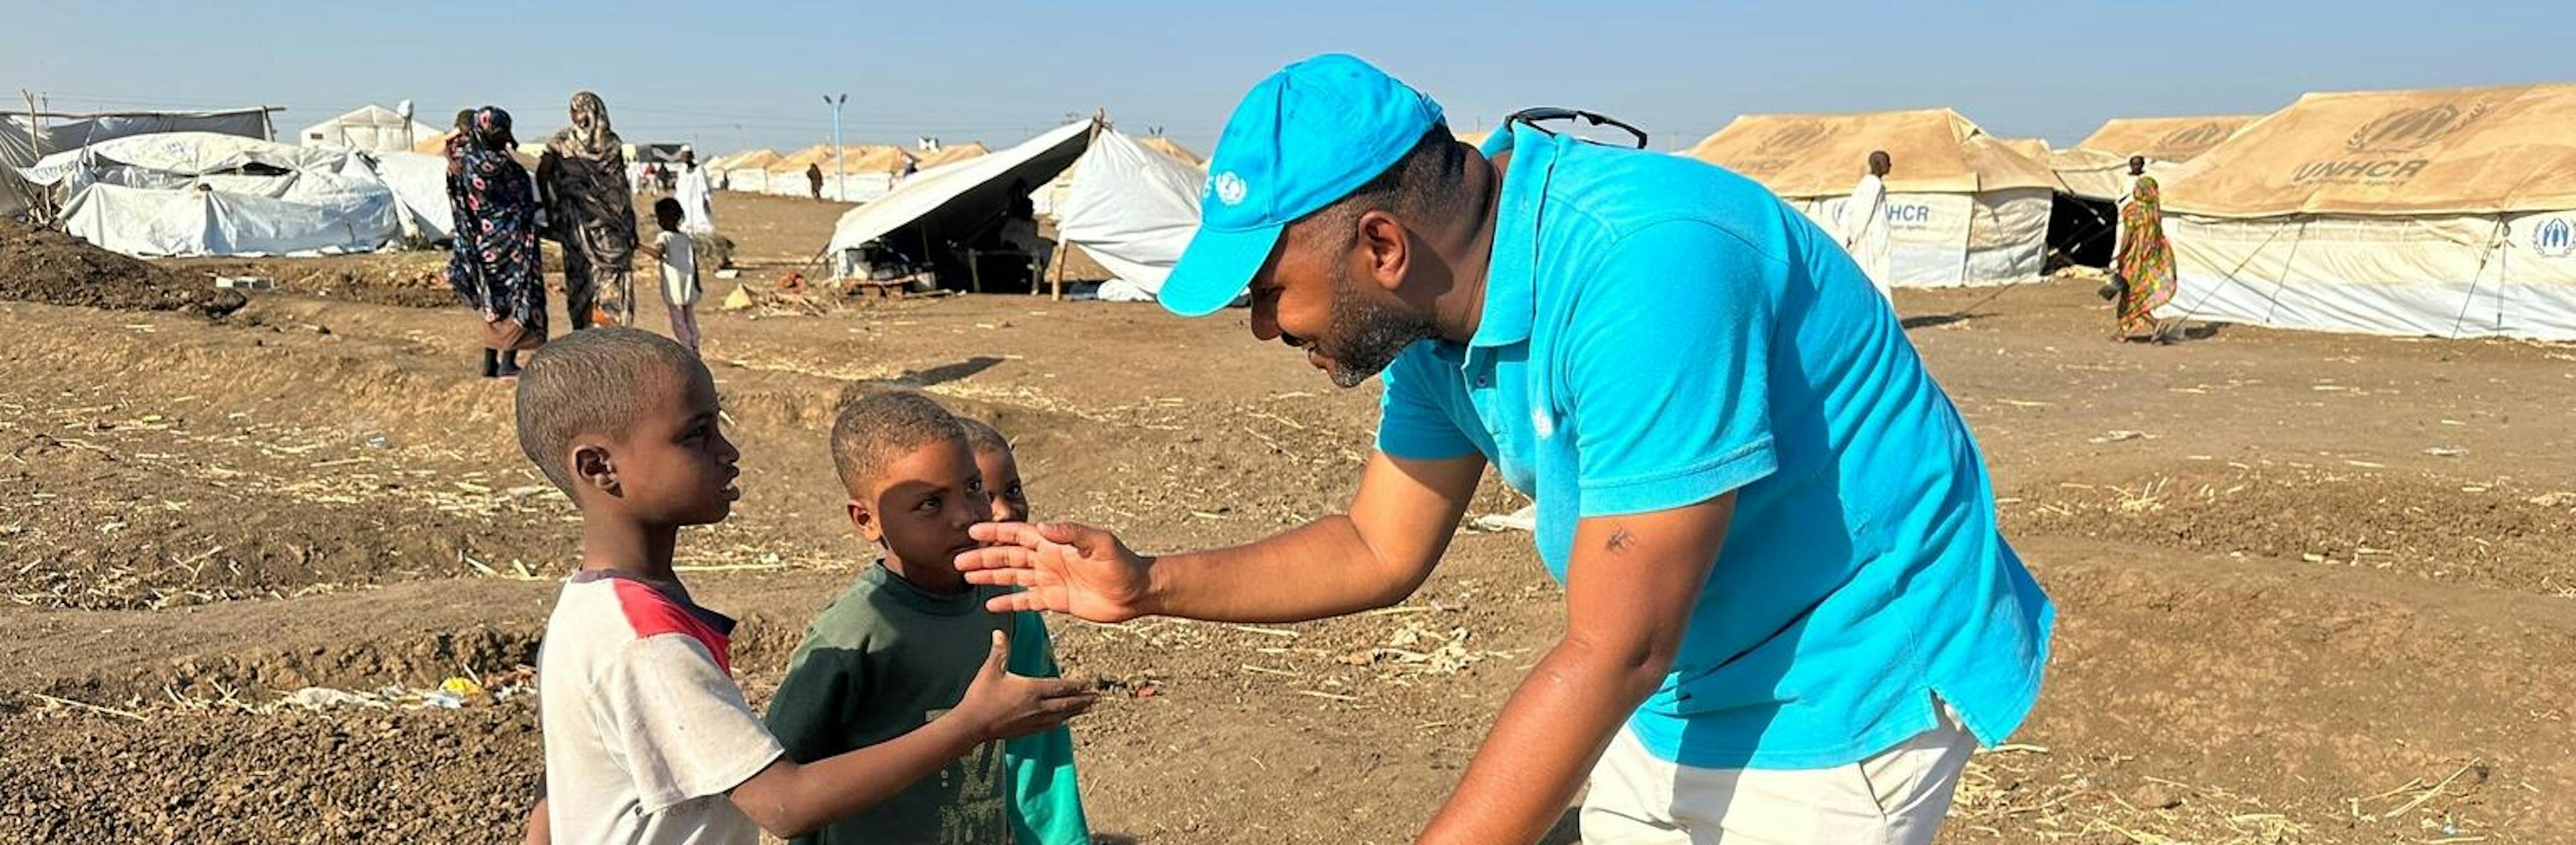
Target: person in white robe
1864 223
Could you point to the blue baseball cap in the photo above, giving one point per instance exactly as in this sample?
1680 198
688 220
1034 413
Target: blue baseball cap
1308 135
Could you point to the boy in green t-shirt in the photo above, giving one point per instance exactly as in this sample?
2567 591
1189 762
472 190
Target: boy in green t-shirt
900 646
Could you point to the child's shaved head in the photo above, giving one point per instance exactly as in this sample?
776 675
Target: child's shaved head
593 382
983 438
874 430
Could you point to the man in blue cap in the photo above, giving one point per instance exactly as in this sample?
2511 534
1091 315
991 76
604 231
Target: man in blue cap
1790 617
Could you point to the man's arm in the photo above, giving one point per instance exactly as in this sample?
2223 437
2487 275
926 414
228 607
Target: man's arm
1399 524
1630 588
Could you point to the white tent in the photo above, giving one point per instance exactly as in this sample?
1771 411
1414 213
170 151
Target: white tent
371 128
1049 197
419 182
2448 212
23 137
1963 208
1133 209
201 193
936 207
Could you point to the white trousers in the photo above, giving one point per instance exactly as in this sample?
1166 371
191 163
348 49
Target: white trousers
1897 797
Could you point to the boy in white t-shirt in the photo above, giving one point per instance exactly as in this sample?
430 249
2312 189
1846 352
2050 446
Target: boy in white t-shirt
647 738
678 256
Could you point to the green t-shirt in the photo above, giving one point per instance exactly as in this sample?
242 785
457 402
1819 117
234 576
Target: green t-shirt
886 658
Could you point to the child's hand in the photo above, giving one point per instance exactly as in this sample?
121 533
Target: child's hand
1000 705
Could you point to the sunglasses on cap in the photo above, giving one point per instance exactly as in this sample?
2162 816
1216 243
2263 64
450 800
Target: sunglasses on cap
1533 117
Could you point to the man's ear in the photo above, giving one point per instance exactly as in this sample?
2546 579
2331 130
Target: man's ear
863 519
593 468
1386 249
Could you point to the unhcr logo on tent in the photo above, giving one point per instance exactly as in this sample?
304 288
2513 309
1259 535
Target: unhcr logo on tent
2555 238
1793 137
2409 129
2196 137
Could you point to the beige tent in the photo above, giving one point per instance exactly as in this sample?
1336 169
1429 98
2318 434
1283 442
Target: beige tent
787 174
1177 152
1964 208
2098 167
949 155
2447 212
745 171
2035 149
2164 138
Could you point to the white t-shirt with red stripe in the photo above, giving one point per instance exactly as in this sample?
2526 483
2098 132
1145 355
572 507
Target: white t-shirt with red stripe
645 730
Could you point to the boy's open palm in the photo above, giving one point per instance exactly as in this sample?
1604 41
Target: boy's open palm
1001 705
1063 567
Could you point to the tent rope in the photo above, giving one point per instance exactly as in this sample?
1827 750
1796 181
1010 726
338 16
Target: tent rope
2495 239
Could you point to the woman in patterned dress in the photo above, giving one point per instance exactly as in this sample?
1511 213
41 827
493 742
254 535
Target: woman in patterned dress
493 262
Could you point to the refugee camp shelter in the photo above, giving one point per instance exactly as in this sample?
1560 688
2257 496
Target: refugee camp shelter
2444 212
1050 198
2098 167
933 219
747 171
205 193
370 128
1963 208
941 156
25 138
1133 207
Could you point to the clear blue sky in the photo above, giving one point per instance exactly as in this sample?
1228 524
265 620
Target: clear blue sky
726 75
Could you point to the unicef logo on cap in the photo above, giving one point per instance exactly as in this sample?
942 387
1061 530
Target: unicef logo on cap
2554 239
1229 188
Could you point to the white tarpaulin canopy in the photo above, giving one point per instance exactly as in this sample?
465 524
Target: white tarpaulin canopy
937 206
371 128
21 139
200 193
419 181
1131 208
2445 212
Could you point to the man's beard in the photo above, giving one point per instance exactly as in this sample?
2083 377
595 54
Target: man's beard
1364 335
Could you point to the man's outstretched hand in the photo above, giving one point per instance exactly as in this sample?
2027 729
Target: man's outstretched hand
1062 566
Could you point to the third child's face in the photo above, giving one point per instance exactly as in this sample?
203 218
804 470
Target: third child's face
925 500
1002 488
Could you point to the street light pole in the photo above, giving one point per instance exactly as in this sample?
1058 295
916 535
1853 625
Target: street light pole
840 154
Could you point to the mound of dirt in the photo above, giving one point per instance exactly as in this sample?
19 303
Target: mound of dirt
42 265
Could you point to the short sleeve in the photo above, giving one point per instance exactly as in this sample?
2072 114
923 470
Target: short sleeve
1667 361
679 722
1413 423
810 712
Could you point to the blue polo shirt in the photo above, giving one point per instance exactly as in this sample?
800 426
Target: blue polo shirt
1658 332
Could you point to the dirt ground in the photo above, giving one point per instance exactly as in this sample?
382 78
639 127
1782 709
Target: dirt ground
2313 588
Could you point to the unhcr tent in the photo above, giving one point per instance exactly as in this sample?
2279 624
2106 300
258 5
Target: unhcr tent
1176 152
2098 167
370 128
25 139
787 175
866 173
1963 208
745 172
927 216
2448 212
1133 209
948 155
201 193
